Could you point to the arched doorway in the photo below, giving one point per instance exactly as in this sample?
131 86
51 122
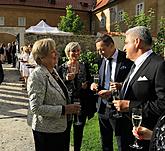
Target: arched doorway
15 31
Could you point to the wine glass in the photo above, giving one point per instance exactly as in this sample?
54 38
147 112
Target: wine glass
115 96
136 121
78 122
96 80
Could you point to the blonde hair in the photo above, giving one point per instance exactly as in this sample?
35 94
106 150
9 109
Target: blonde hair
25 49
42 48
71 46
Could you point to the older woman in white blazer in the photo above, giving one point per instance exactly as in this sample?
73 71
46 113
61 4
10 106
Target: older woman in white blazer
48 99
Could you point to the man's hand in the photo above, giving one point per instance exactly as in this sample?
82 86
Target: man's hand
105 94
115 85
121 105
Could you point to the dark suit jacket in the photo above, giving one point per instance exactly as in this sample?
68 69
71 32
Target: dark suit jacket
122 68
150 93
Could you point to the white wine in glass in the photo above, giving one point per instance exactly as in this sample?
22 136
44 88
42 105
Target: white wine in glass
96 80
136 121
77 101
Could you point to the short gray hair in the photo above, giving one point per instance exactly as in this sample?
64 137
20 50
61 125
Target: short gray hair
42 48
142 33
70 47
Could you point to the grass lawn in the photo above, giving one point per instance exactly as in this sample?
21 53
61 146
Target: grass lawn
91 138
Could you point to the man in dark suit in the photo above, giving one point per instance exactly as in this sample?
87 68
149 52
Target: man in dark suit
113 67
145 86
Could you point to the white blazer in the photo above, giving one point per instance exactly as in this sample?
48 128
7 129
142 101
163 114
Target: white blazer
45 102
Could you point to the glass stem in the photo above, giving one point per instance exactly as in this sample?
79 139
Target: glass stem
135 142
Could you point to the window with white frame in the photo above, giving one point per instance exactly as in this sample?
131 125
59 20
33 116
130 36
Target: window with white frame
103 21
21 21
113 14
120 15
2 20
139 8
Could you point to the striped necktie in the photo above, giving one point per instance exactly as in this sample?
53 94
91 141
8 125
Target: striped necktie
125 84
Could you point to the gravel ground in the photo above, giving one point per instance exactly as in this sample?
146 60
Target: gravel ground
15 134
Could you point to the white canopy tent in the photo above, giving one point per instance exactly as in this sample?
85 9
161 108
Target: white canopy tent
43 28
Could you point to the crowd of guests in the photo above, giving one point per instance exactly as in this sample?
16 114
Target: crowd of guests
26 63
137 73
8 53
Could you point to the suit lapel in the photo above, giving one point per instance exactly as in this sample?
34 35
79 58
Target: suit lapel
53 82
118 64
140 70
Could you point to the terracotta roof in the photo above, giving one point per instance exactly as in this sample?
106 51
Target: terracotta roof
84 5
101 4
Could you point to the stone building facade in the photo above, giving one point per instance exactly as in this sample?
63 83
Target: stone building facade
25 13
108 12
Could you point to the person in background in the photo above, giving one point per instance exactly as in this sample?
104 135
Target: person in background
21 78
113 69
49 102
78 84
31 62
8 53
1 73
13 52
2 53
144 87
156 136
25 70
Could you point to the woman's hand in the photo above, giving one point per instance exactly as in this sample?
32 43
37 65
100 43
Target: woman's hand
94 87
72 108
84 85
142 133
70 76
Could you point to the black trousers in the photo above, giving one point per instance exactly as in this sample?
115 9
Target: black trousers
49 141
107 127
77 133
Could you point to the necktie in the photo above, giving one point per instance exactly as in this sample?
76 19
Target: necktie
125 84
107 73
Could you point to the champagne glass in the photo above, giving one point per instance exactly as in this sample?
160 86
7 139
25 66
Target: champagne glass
78 122
136 121
96 80
115 96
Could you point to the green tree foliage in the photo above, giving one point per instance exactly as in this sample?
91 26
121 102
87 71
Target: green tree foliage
159 44
139 20
145 20
71 22
91 58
